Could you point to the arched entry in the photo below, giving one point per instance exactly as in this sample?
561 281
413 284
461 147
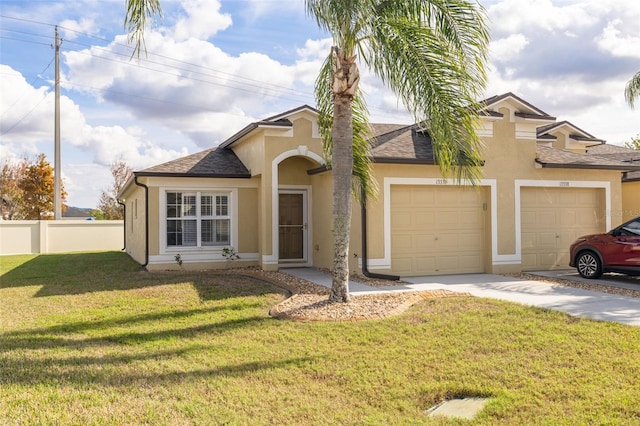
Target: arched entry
291 206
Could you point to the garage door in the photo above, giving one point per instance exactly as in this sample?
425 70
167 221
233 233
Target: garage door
552 218
436 230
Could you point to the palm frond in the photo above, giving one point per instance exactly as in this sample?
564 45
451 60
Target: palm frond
135 20
433 58
632 90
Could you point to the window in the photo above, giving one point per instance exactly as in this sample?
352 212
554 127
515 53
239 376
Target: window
197 219
631 228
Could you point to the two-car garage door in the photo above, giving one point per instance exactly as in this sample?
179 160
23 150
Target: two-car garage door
443 229
437 230
552 218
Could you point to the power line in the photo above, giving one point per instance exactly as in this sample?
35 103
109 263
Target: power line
24 41
271 90
24 116
254 83
31 84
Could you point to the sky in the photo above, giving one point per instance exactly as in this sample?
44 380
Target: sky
213 66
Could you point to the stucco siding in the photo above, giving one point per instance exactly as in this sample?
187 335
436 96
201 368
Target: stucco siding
248 220
135 225
630 203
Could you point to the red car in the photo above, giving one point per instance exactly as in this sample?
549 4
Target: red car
616 251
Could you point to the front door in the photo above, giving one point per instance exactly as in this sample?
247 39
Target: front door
292 226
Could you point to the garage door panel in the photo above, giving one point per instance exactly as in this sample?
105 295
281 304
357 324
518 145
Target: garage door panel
528 239
552 218
422 265
546 219
473 239
447 198
458 264
425 242
448 263
471 263
445 233
402 243
402 219
424 219
403 263
546 240
587 219
401 197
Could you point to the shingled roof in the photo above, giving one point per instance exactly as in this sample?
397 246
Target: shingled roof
216 162
528 110
561 158
401 143
577 134
631 177
615 152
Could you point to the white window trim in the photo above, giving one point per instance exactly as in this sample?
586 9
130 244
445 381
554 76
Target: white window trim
233 215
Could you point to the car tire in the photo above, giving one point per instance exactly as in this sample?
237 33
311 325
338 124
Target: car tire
589 265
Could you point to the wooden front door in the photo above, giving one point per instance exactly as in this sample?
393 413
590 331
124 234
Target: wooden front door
292 226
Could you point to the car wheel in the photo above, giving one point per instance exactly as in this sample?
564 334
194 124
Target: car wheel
589 265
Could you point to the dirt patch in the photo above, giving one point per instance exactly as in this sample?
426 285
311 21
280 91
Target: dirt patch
310 301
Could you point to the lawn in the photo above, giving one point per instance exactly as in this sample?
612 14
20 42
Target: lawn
90 339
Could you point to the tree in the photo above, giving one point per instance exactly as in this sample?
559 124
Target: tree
431 53
108 203
10 193
634 143
36 185
632 90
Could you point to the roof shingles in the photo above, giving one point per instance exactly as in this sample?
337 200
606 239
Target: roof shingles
560 158
215 162
401 143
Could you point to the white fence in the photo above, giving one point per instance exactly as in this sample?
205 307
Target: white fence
59 236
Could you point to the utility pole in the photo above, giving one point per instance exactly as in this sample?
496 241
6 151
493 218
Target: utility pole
57 183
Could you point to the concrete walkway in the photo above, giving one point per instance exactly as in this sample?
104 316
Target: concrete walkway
574 301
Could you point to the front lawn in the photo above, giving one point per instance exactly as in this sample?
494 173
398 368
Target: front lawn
90 339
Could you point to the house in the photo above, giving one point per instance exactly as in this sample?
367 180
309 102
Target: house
630 179
266 194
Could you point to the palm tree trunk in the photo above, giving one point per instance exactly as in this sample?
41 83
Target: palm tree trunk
342 166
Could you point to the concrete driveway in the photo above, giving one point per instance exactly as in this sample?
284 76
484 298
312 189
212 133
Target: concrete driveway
574 301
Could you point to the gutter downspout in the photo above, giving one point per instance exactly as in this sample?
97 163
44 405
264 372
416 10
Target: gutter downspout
124 216
365 269
146 220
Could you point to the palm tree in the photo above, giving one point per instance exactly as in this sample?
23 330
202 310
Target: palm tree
431 53
632 90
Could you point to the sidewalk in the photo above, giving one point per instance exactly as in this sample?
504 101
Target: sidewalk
574 301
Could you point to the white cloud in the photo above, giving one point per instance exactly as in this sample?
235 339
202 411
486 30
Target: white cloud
70 29
203 19
188 92
511 16
613 40
508 48
26 112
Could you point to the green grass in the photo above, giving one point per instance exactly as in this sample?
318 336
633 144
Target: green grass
90 339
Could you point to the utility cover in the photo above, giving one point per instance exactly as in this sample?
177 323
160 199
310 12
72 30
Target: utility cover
465 408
